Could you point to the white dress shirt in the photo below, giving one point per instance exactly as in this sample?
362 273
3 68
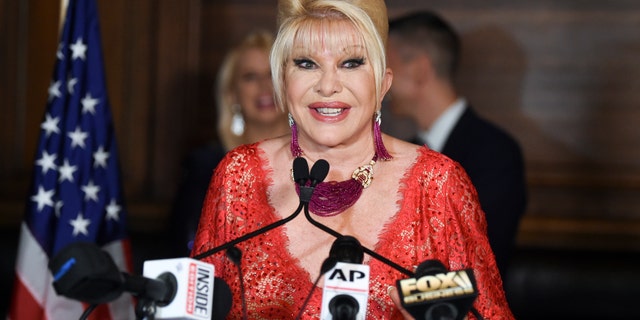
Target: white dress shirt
437 135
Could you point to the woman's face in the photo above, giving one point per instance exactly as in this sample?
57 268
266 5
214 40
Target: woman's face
330 87
254 89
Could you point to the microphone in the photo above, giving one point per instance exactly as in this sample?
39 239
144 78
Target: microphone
346 286
83 272
437 294
301 178
193 297
180 288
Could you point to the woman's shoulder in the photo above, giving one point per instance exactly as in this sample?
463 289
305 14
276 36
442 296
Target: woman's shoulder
424 161
254 155
416 156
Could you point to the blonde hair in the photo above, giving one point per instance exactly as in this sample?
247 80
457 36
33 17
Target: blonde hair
296 18
227 76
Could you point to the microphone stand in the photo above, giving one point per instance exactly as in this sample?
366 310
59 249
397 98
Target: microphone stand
249 235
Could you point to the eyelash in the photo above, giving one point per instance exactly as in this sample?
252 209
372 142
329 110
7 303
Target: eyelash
348 64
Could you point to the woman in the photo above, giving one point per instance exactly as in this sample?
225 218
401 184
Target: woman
246 113
328 67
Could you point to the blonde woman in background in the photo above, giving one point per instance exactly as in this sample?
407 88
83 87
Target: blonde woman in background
246 113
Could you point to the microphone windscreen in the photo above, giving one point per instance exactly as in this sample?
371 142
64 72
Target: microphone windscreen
222 299
300 170
84 272
347 249
319 171
428 267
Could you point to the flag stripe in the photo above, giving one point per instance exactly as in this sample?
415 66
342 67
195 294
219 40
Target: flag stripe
29 307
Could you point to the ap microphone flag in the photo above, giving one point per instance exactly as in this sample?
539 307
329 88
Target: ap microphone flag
345 292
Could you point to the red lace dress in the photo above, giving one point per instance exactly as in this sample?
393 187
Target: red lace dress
439 218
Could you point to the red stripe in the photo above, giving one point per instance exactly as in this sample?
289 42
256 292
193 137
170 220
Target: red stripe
23 305
100 313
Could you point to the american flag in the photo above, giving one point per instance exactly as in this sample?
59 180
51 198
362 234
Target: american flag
76 193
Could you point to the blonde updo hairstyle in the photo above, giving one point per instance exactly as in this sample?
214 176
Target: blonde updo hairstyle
226 79
297 19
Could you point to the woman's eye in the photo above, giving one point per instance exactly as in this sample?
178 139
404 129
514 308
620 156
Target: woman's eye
304 63
353 63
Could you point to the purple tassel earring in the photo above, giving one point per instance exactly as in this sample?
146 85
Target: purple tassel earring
295 147
381 151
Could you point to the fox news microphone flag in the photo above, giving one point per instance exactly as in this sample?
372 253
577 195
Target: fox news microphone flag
76 192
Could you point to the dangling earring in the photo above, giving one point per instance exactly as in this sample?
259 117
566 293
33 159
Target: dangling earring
237 121
295 147
381 151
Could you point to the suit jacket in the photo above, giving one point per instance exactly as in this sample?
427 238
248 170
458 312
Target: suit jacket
494 162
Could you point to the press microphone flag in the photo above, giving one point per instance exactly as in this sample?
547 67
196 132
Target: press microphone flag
195 286
437 294
346 285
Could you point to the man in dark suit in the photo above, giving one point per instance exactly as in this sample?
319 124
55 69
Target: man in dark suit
423 53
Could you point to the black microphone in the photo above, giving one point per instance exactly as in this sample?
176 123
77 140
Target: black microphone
437 294
83 272
300 177
222 299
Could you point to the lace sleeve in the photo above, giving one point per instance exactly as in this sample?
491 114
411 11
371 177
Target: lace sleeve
225 206
470 246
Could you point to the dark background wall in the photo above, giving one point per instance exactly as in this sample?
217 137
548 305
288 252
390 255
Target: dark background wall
562 76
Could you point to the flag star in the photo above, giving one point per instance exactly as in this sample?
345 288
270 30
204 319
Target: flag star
50 125
70 83
59 53
58 207
66 171
113 210
77 137
100 158
80 225
43 198
91 191
78 50
89 104
54 90
47 161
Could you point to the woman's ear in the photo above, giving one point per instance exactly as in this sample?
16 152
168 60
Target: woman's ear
387 79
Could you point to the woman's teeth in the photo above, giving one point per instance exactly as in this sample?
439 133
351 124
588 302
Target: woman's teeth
329 111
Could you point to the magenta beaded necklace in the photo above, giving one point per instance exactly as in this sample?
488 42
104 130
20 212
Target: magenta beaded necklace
334 197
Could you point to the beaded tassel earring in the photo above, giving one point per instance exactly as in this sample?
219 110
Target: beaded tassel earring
237 121
295 147
381 151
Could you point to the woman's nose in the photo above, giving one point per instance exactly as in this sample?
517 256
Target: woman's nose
329 83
